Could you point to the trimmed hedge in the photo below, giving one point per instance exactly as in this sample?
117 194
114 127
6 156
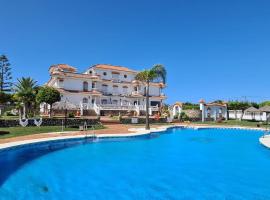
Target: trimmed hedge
142 120
49 122
4 132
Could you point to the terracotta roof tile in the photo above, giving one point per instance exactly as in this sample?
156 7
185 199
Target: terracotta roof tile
62 67
112 67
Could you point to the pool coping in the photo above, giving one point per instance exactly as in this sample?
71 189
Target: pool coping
135 132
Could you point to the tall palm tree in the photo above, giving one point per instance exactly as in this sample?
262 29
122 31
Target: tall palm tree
156 73
26 92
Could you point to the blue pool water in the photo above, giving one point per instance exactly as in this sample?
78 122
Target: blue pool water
177 164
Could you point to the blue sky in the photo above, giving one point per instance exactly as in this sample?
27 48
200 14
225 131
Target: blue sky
211 49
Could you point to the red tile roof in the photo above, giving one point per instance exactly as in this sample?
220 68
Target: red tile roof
112 67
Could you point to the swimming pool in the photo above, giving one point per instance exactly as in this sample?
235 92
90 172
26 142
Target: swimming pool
176 164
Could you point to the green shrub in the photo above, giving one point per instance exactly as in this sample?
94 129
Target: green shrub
8 113
71 115
184 117
176 116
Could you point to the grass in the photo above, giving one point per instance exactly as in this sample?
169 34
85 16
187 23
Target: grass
235 123
20 131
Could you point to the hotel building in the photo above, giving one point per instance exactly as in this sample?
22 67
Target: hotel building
102 89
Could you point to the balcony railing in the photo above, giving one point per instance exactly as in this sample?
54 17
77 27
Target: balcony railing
136 93
87 106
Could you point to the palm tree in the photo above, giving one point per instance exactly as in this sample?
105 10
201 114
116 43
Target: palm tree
156 73
26 93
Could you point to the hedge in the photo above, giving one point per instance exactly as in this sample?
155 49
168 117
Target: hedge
142 120
50 122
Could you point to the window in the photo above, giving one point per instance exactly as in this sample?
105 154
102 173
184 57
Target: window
61 83
125 102
93 85
136 102
115 88
85 86
144 91
104 88
104 101
115 76
85 100
125 89
114 102
90 72
125 76
104 73
155 103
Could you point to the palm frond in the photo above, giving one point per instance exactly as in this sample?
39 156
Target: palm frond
160 72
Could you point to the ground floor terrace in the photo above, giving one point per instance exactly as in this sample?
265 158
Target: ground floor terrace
91 104
104 108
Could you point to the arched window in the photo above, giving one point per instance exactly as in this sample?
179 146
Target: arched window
85 86
85 100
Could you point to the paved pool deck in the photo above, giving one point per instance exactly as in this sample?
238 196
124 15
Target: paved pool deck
115 130
265 140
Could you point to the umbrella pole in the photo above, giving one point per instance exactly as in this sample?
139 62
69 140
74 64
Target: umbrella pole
65 118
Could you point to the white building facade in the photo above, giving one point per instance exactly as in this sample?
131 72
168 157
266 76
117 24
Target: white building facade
213 111
253 114
104 89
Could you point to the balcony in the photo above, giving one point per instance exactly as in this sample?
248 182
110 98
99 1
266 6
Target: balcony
116 80
136 94
116 107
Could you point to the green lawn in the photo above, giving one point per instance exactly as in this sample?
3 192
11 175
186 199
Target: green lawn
19 131
235 123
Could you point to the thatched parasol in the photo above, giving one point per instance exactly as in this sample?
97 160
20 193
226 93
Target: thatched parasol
64 105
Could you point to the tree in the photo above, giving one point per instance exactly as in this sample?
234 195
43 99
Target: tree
264 103
157 72
5 74
5 98
26 93
191 106
48 95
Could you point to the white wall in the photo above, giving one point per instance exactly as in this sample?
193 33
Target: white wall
154 90
76 84
109 76
260 116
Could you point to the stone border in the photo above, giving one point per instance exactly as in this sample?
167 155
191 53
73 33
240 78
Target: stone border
137 132
265 140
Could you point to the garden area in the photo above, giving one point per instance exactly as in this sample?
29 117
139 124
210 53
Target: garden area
8 132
